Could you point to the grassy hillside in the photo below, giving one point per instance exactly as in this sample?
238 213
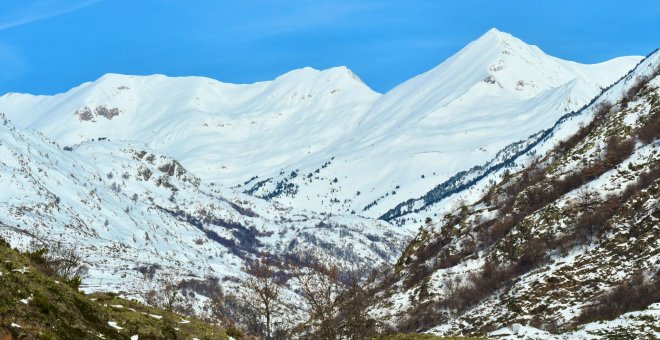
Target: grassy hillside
42 306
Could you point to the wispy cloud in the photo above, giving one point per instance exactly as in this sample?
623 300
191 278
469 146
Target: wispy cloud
31 11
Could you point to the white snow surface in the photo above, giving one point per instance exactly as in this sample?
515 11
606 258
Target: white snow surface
113 324
326 133
645 319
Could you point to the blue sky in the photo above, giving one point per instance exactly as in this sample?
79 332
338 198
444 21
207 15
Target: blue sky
49 46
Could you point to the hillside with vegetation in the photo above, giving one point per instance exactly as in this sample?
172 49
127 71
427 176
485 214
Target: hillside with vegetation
567 245
40 299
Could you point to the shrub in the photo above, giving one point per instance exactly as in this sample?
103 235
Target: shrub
42 303
636 294
490 235
74 282
534 253
420 317
234 332
602 110
566 145
635 90
650 131
618 149
592 222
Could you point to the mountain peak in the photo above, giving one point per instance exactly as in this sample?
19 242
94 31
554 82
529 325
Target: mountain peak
340 76
469 66
307 72
495 37
495 66
494 32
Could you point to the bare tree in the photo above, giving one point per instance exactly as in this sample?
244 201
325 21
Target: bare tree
323 293
228 311
216 306
263 287
354 320
68 263
169 292
166 293
61 260
591 217
336 302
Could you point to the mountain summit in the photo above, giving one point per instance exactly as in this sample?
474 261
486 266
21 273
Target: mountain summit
499 64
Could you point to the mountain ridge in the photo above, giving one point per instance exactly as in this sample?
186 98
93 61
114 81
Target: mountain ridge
256 136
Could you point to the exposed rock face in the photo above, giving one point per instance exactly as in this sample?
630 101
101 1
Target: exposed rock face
86 114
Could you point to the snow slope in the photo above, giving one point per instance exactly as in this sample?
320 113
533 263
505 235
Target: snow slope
223 132
635 325
125 208
322 140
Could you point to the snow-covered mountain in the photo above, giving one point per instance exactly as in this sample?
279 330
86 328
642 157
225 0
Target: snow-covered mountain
536 179
127 209
322 140
493 92
223 132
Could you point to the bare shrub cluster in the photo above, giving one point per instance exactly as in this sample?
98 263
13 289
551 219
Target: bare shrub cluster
636 294
58 260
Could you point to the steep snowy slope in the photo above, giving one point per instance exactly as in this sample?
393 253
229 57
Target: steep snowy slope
322 140
558 241
125 209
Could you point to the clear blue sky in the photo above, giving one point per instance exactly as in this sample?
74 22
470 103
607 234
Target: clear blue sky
49 46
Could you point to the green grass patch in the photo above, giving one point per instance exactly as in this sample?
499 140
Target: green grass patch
45 307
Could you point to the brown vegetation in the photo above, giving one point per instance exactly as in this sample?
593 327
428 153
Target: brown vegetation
627 296
650 131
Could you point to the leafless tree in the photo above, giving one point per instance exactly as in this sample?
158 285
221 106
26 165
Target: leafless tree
323 294
336 302
263 297
67 262
62 260
166 292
